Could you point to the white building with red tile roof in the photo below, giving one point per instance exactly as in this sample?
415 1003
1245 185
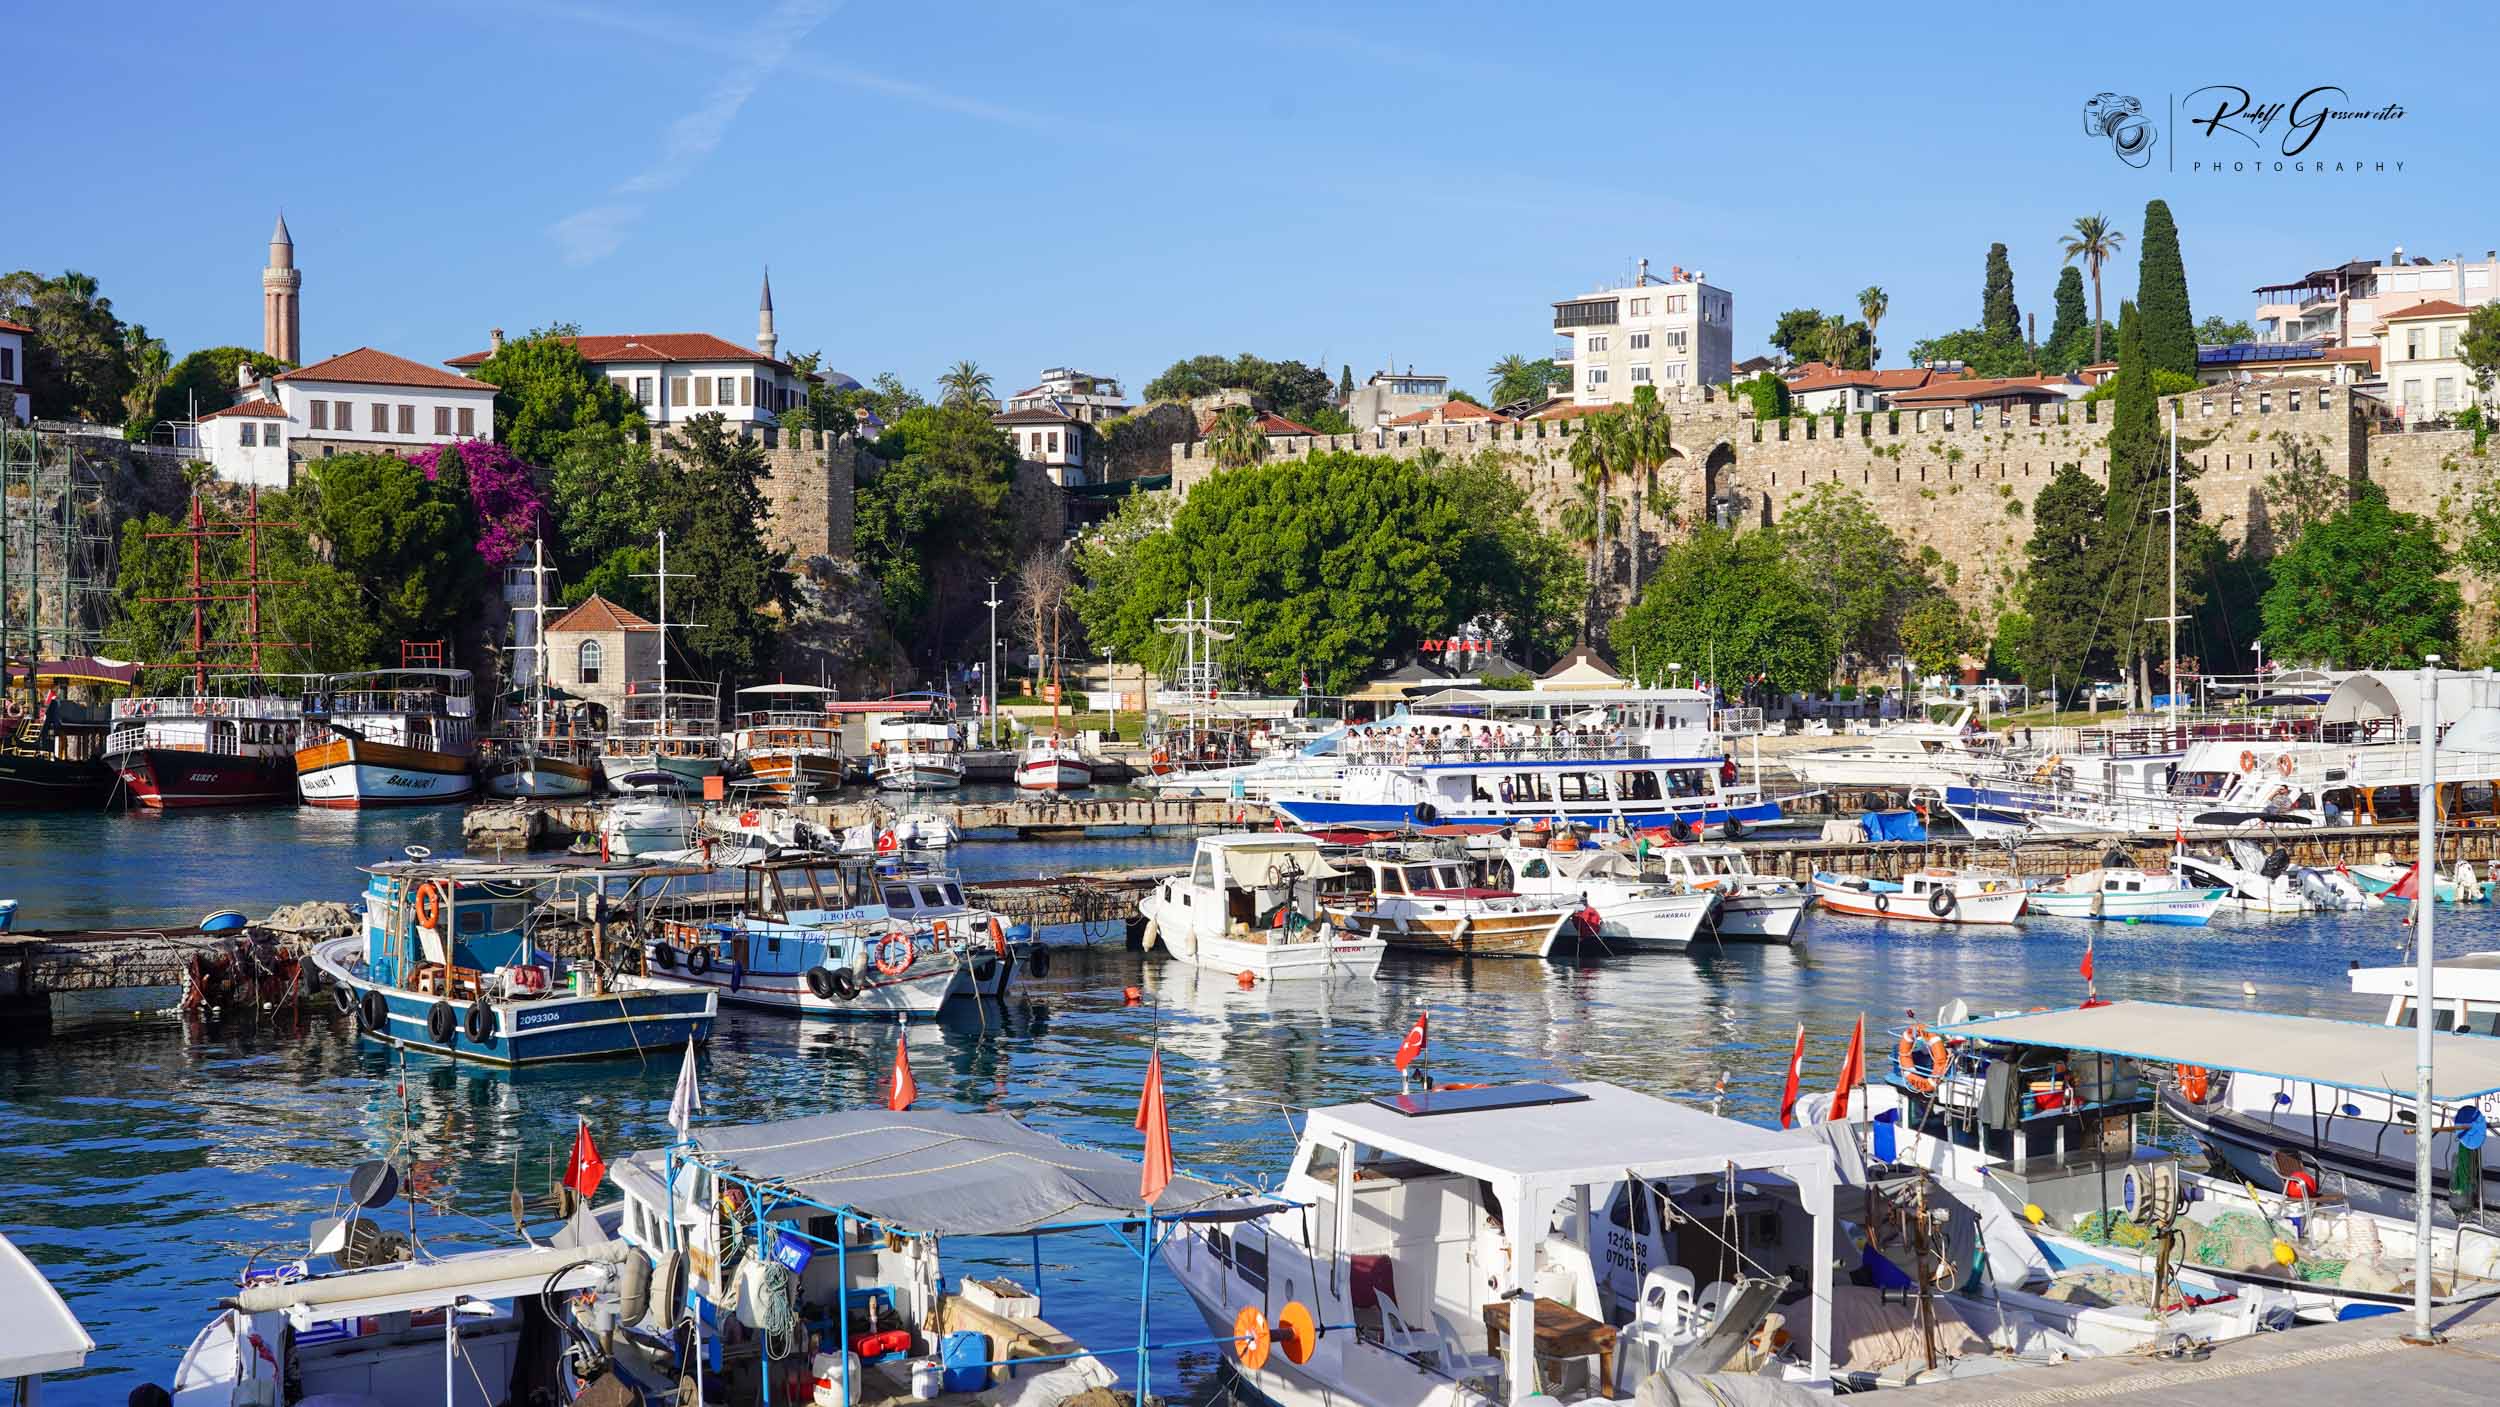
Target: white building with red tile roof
13 337
360 402
676 376
1819 388
1452 413
2420 353
1049 437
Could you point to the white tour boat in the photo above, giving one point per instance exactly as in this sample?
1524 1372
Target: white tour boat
1751 904
393 737
919 752
1431 905
1627 910
2125 894
783 743
1251 903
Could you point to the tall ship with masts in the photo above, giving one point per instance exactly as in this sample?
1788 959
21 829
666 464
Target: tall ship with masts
672 731
56 571
390 737
548 750
1053 762
230 739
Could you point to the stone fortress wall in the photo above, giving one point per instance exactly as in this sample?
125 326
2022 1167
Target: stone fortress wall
808 488
1959 483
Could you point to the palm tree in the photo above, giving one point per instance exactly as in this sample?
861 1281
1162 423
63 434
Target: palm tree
1597 456
1646 440
2095 239
1872 305
1235 438
965 384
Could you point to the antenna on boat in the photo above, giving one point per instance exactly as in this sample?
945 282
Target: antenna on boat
661 575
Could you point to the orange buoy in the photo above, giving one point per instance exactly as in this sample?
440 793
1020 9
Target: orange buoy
1297 1332
1131 996
1251 1339
1246 978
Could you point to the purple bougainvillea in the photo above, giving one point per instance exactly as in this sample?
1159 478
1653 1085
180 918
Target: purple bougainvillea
511 509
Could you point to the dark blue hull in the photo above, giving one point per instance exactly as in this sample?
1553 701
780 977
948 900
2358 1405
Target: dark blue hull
550 1029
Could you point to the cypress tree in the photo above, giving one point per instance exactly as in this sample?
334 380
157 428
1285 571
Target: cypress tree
2134 558
2062 593
1998 317
1345 383
2070 337
2161 294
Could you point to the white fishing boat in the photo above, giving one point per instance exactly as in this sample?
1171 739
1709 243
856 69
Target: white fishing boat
783 743
1053 763
651 816
1751 904
1622 909
1932 895
1941 749
919 752
44 1336
2267 882
2125 894
1430 904
1445 1229
1251 904
394 737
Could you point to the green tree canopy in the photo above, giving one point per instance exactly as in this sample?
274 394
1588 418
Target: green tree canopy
1332 562
1983 354
606 492
207 378
1290 388
2062 594
2070 337
2217 330
734 589
544 392
410 544
1518 378
1999 317
2364 589
1935 635
1507 568
2161 294
1739 600
927 515
78 361
1862 573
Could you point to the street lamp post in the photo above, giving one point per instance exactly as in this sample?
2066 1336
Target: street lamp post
1111 683
2260 647
989 671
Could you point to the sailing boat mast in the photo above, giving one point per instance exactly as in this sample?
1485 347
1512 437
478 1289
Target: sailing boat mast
2173 610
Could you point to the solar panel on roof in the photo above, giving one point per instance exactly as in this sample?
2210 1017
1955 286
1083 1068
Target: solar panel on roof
1423 1104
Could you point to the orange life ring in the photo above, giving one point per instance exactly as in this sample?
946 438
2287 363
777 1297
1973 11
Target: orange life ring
2195 1083
748 818
2301 1187
2283 764
887 946
998 935
1902 1056
2248 760
429 907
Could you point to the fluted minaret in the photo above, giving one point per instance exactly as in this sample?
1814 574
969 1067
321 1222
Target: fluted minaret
767 340
282 299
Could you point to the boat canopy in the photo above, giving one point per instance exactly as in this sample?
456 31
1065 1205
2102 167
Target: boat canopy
2348 1055
2371 695
950 1174
473 1275
788 689
1261 862
43 1336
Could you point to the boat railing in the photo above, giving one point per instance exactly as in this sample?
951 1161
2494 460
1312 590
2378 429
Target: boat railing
1403 753
2178 737
414 702
249 706
782 718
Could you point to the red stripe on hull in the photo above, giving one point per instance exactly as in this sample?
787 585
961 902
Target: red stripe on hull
201 780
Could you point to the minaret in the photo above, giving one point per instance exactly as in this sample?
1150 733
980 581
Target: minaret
767 341
282 300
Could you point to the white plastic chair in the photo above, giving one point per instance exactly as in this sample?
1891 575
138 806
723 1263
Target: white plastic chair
1712 1299
1664 1319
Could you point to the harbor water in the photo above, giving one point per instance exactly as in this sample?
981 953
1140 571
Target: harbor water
150 1156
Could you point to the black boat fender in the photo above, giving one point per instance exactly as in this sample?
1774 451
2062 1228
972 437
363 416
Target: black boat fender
845 983
820 984
441 1023
373 1013
1942 903
481 1022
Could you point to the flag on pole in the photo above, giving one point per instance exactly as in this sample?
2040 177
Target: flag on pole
688 1100
582 1174
1418 1036
1157 1172
1788 1093
2409 887
2085 967
900 1091
1852 1069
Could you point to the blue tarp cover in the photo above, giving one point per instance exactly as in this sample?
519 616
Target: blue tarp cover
1893 825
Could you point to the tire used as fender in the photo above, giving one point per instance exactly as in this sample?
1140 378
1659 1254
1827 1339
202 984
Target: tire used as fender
1942 903
1037 960
1883 902
481 1023
665 956
699 959
345 996
1427 814
820 984
441 1023
373 1014
844 983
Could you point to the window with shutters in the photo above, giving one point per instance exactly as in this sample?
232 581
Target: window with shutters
729 390
468 420
746 390
677 390
442 420
380 423
343 412
320 414
703 390
642 391
407 420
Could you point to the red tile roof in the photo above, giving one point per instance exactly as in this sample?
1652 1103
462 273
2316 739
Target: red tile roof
1816 376
1569 411
1975 389
598 613
368 367
2436 308
649 347
1451 410
267 410
1038 415
1269 423
8 326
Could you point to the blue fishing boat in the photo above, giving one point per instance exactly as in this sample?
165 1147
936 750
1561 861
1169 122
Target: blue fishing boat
456 959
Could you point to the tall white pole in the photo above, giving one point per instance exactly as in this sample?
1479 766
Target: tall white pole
663 574
2425 916
2173 611
989 671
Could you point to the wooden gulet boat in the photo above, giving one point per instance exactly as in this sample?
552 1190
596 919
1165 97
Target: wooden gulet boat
1431 906
550 752
782 742
402 737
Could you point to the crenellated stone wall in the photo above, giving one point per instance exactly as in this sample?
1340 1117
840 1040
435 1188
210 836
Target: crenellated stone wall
809 490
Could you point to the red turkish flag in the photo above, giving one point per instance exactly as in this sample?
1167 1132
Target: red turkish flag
2409 887
900 1091
2086 966
1157 1173
1418 1036
1852 1069
1788 1094
582 1174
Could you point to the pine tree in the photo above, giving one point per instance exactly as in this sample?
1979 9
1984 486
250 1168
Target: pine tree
2070 337
2061 593
2134 560
2161 294
1998 317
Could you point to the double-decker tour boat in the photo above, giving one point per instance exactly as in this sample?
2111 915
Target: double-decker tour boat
783 742
389 737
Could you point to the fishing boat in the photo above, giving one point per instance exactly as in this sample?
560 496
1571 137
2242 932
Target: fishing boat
2039 1113
1751 904
2380 879
1053 763
2124 894
1621 908
782 742
1251 904
1645 759
548 751
919 752
672 729
1429 904
456 959
230 742
1439 1230
1944 747
44 1336
1932 895
865 1256
816 937
392 737
52 746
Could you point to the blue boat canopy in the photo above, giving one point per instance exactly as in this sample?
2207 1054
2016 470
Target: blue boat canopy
2346 1055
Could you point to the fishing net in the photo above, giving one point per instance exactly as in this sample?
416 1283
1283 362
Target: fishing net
2232 1241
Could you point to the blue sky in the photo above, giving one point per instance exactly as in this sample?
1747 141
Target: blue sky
1115 186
